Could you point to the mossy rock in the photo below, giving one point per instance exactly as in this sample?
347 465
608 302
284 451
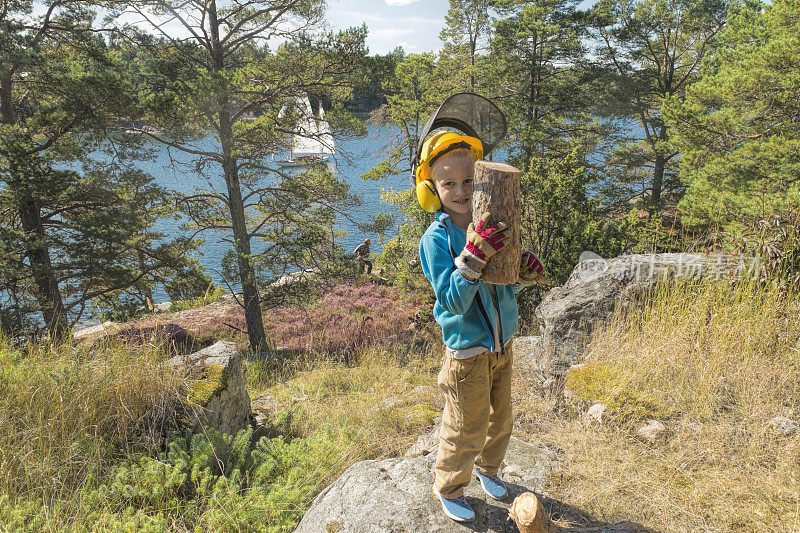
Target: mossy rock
602 383
213 380
421 415
334 526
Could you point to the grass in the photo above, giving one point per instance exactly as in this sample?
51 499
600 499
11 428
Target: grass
375 408
85 442
87 434
209 297
715 363
68 414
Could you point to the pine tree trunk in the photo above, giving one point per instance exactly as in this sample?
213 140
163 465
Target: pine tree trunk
252 305
7 114
241 238
497 190
48 293
658 179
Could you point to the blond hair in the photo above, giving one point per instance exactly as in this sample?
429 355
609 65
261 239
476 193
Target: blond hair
450 158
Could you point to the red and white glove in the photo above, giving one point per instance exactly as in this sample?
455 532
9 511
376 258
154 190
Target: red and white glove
482 243
530 269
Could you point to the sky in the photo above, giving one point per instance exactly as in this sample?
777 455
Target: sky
412 24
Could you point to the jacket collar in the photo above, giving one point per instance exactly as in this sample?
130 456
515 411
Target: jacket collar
444 218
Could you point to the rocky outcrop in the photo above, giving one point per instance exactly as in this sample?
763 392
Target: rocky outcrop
169 336
217 394
104 327
783 427
595 288
395 494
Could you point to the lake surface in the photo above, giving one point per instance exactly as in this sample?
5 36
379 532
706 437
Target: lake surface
175 170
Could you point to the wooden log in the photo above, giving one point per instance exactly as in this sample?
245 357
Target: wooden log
529 515
497 190
527 512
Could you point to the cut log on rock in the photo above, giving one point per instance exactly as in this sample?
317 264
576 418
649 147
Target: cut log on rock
529 515
497 190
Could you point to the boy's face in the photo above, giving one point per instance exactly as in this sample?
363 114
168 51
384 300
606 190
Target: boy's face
454 184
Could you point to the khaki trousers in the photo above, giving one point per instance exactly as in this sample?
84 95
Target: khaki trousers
476 423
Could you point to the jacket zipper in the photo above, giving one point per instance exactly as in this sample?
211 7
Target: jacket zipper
481 311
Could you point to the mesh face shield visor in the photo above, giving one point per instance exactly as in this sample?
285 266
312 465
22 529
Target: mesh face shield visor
472 115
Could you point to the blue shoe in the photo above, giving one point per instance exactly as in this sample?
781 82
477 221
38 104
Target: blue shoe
456 508
492 485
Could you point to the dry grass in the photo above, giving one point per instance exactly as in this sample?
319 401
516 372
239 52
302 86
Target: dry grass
374 409
716 363
67 413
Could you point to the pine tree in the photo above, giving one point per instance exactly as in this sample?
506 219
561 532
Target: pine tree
71 223
466 32
536 51
737 128
223 79
655 49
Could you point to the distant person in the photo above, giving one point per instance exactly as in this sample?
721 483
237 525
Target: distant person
362 254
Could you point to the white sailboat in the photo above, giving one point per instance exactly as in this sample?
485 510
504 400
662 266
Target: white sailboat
313 141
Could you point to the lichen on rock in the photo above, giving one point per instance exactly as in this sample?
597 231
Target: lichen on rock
216 394
213 381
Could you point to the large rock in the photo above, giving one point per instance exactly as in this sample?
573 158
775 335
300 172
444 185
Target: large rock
568 314
169 336
103 327
395 494
217 395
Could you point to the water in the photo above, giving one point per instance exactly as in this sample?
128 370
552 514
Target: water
175 170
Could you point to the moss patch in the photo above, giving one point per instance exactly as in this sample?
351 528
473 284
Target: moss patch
213 380
421 415
602 383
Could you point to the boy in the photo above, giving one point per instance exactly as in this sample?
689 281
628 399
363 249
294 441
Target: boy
477 320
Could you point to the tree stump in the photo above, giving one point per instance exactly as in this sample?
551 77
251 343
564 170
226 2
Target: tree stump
529 515
497 190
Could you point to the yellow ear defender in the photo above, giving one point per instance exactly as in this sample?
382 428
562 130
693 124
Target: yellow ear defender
433 149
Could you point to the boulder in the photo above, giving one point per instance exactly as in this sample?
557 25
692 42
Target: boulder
525 347
595 288
392 402
426 444
162 307
395 494
294 277
170 336
103 327
652 431
783 427
595 415
217 395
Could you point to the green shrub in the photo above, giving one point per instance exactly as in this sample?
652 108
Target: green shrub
208 298
188 282
216 481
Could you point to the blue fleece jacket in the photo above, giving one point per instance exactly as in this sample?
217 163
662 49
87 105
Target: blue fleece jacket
456 309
